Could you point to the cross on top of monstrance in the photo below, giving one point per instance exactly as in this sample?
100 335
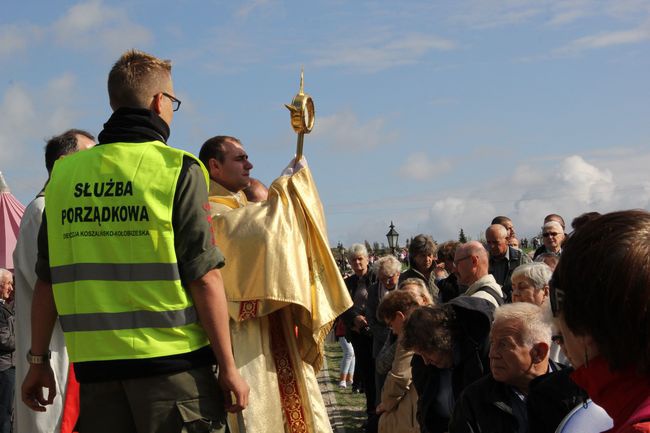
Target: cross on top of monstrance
303 114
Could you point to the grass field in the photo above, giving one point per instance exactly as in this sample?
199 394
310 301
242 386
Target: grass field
346 409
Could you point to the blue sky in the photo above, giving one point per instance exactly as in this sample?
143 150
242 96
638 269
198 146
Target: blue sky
435 115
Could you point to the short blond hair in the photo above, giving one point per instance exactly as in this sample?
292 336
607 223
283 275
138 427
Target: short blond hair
135 78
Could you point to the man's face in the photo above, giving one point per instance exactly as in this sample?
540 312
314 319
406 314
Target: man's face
553 239
359 264
423 261
510 227
6 287
464 266
234 172
497 243
510 360
389 281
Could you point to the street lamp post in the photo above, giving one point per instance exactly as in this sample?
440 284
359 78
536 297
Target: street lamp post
392 236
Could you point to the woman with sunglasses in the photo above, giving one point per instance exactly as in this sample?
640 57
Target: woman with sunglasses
600 296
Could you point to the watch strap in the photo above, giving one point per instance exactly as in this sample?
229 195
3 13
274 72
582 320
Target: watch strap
39 359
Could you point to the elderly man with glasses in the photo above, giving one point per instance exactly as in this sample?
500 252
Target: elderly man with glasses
471 263
509 398
552 236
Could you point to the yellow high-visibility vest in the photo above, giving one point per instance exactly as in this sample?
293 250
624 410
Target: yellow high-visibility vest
114 271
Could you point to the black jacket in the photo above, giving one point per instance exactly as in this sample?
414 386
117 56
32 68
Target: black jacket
516 259
474 318
351 283
487 405
7 337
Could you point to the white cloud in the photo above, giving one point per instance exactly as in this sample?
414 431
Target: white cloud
497 13
250 6
381 51
570 186
94 26
606 39
29 116
500 13
418 166
344 130
16 38
568 11
90 26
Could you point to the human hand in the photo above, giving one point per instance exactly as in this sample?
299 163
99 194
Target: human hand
38 377
235 390
294 166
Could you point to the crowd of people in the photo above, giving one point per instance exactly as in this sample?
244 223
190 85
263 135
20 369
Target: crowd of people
132 319
484 337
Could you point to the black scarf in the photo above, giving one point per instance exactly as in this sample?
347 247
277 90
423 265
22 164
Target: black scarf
134 125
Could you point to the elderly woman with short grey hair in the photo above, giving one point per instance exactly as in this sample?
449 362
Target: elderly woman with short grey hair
530 283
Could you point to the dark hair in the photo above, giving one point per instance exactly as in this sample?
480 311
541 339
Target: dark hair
555 217
213 148
61 145
579 221
500 219
394 301
604 274
431 329
422 244
447 250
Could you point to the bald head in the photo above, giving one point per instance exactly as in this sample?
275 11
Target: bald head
471 262
496 237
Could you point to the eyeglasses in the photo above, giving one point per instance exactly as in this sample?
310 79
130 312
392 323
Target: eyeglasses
556 297
547 234
176 103
456 262
389 279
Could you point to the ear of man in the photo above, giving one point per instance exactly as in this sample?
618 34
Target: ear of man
156 103
539 352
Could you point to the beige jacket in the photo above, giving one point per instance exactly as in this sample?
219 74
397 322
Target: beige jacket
399 396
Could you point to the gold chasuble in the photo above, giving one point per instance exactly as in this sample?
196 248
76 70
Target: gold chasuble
284 291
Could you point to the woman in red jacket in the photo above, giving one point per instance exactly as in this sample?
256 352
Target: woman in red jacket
600 294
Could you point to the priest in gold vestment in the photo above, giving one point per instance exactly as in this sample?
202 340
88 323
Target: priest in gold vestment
283 288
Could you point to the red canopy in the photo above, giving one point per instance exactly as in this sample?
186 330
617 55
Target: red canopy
11 211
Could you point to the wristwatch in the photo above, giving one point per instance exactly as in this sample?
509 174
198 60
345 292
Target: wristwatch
39 359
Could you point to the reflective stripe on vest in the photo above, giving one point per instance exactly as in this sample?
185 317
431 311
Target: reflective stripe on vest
113 263
127 320
115 272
